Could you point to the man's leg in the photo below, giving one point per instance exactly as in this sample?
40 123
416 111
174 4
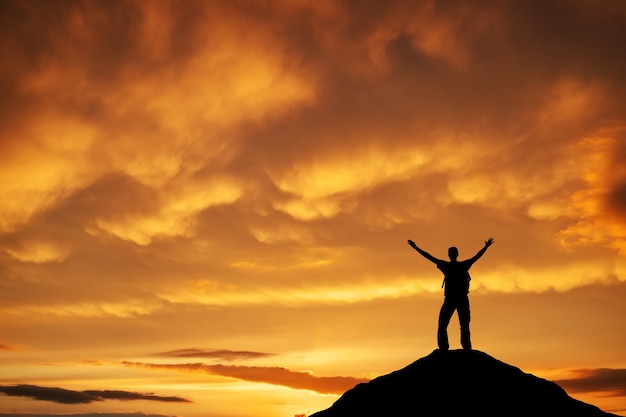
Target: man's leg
447 309
463 310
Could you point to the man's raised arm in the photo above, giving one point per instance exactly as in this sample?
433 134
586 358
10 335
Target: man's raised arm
423 252
481 252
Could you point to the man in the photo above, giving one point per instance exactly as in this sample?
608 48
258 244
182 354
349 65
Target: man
456 282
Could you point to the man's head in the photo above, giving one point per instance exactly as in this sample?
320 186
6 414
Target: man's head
453 253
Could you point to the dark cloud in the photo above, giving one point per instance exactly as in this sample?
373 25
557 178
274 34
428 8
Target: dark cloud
84 415
617 199
229 355
269 375
125 395
608 381
65 396
58 395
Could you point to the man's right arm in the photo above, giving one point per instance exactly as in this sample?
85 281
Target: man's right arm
423 252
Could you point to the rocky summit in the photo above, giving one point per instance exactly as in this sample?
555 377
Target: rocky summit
459 383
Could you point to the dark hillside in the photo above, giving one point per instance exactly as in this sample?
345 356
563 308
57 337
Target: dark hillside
456 383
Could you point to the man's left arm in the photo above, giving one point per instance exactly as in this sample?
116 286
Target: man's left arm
481 252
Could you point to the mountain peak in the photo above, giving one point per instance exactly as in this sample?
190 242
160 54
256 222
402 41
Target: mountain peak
458 382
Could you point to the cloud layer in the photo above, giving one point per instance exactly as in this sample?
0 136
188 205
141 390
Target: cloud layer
608 381
180 145
86 415
224 354
65 396
269 375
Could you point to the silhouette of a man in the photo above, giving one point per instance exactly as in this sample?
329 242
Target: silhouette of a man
456 282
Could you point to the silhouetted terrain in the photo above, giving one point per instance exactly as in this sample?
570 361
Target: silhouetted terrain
459 383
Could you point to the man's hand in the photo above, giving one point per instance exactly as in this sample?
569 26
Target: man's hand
489 242
413 245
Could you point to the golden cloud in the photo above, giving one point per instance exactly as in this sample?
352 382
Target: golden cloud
597 222
270 375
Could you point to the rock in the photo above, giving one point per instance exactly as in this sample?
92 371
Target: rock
456 383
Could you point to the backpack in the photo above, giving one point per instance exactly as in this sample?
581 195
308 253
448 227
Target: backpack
456 279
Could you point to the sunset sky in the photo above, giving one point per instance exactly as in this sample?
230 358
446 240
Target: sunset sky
205 205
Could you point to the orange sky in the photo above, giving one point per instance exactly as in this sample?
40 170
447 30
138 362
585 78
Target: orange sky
204 206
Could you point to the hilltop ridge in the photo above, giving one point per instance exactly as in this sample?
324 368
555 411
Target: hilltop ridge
458 382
